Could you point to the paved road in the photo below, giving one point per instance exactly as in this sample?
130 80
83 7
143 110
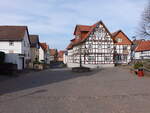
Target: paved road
112 90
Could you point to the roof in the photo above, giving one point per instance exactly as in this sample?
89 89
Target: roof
61 53
34 39
12 33
143 46
123 36
82 28
44 46
53 52
84 32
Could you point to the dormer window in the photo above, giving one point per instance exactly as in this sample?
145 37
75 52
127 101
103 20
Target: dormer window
11 43
119 40
77 37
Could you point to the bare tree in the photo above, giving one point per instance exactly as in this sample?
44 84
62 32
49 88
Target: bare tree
144 29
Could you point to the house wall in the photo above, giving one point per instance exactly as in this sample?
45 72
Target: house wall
142 55
65 57
15 59
5 47
34 54
25 48
123 53
96 51
41 54
47 56
19 47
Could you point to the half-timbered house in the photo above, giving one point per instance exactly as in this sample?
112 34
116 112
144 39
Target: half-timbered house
142 50
92 46
122 47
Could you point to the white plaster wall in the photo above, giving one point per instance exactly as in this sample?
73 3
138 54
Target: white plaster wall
41 54
26 46
15 59
5 47
137 55
47 56
144 54
65 58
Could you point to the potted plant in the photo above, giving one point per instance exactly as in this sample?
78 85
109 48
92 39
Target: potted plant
137 66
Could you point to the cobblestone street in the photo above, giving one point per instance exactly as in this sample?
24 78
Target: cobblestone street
112 90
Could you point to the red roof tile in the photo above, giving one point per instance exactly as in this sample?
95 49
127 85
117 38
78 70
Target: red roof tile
44 46
53 52
121 34
12 33
143 46
84 32
60 54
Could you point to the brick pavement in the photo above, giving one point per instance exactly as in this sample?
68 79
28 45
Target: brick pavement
112 90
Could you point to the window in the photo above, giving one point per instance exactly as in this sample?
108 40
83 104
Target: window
99 46
91 58
125 57
11 43
119 40
118 58
107 58
108 46
124 47
90 45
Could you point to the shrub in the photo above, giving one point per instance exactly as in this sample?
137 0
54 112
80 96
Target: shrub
2 57
138 65
36 62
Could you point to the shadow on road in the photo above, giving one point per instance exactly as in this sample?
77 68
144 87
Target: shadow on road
38 79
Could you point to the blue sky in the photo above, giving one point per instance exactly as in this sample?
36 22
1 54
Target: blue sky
54 20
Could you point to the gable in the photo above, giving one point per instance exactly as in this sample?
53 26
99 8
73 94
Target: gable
26 39
100 32
83 32
121 39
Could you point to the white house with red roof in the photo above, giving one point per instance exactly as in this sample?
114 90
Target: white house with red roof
142 50
94 46
15 42
122 47
44 53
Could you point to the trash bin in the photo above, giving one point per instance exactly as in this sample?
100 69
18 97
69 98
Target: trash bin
140 72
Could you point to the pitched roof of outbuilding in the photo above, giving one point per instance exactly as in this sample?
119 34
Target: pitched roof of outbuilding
12 33
143 46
